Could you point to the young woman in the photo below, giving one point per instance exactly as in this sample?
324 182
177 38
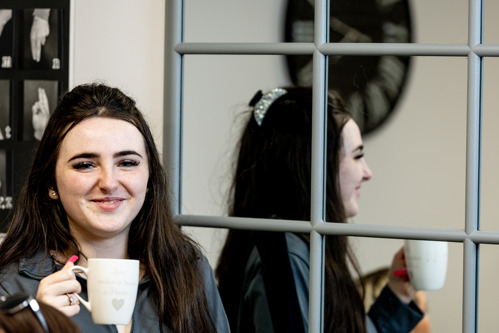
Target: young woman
264 277
97 189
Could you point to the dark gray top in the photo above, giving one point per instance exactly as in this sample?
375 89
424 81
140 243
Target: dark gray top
387 314
26 275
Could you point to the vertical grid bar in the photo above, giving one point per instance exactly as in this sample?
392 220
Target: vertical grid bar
316 303
470 278
172 115
473 159
71 63
475 22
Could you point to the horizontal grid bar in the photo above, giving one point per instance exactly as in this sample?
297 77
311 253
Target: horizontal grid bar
344 229
245 48
487 50
395 49
380 231
243 223
366 49
485 237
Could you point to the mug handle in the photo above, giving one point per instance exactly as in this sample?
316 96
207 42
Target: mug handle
85 270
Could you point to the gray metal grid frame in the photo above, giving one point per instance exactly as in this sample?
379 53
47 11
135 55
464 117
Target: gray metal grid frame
471 237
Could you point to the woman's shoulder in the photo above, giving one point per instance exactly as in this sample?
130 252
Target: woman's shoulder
34 267
19 277
297 247
9 270
204 264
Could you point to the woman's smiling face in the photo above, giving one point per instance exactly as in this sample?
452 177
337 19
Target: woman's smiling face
102 172
353 168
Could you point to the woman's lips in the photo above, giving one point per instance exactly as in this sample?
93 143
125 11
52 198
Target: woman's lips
108 204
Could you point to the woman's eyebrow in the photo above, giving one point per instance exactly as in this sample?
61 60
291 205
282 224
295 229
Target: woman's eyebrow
83 155
95 155
359 147
126 153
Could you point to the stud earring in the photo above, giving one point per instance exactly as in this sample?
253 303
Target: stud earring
53 194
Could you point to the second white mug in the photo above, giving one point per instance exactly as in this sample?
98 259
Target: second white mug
426 263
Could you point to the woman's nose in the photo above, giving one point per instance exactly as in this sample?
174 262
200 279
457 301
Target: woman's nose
367 172
108 180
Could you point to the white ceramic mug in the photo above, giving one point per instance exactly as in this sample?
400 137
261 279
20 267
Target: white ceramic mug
426 263
112 289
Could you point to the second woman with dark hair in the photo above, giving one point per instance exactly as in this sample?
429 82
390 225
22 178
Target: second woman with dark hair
264 276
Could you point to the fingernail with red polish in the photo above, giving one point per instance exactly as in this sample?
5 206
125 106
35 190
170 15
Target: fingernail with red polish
400 272
73 259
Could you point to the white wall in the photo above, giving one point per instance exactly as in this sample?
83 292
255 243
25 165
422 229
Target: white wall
121 42
418 157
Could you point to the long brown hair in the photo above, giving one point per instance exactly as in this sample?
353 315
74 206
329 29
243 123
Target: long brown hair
272 178
39 224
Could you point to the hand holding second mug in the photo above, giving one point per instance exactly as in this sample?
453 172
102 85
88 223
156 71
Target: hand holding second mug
400 285
54 290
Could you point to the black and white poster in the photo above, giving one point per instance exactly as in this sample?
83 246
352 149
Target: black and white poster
34 51
6 38
41 39
40 98
5 125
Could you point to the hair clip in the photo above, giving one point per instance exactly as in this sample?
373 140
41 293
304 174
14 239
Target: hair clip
262 102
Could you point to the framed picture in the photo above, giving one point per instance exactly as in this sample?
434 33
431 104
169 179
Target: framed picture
6 38
5 110
40 98
34 71
6 196
3 175
41 39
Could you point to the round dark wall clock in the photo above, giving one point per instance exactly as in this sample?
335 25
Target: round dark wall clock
370 85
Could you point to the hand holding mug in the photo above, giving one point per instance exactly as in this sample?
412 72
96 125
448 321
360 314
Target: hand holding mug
57 289
398 280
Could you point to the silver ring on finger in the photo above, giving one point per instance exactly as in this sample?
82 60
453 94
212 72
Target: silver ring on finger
71 299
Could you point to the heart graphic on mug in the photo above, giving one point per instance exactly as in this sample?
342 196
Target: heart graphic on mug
118 303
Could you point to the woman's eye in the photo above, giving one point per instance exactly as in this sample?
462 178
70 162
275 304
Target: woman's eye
83 165
358 157
128 163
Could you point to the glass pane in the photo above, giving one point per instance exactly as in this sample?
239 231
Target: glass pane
370 21
217 92
488 294
417 155
490 138
490 23
236 21
442 21
441 304
398 21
